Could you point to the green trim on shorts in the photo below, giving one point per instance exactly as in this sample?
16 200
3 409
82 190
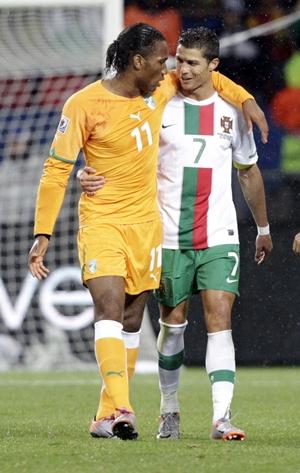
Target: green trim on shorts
244 166
172 362
185 272
222 375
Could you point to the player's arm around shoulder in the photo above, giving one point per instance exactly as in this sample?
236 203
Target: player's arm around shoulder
296 244
240 98
254 114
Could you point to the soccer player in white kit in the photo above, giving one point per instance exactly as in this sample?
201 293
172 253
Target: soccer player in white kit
202 136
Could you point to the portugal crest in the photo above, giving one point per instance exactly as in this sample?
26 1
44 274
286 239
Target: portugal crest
226 124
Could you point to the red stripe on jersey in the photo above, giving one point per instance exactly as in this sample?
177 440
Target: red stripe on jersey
206 119
201 208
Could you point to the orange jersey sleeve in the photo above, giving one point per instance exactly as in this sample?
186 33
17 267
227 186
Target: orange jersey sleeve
229 90
59 165
50 196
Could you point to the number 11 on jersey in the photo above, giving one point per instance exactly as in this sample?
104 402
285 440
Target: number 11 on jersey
138 132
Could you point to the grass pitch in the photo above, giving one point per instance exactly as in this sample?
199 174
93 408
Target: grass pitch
45 417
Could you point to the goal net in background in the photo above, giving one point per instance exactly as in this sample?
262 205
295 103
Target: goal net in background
48 50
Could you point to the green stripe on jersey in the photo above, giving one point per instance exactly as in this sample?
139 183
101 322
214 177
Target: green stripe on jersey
191 119
222 375
59 158
188 197
172 362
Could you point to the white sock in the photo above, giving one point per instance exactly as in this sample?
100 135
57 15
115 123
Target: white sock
220 367
131 339
108 329
170 346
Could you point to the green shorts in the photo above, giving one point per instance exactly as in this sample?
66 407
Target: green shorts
185 272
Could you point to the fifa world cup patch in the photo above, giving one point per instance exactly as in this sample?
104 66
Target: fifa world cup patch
92 266
63 124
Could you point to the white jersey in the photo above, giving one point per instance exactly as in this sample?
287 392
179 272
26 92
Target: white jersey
199 141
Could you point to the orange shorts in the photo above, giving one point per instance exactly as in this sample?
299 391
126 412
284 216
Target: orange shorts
132 251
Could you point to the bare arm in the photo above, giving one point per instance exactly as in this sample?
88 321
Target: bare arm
253 189
296 244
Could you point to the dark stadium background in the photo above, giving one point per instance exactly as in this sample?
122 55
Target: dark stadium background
266 317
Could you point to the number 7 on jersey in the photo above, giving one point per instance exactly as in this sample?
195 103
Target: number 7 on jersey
201 149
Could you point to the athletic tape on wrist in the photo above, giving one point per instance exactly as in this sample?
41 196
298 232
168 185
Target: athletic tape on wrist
262 231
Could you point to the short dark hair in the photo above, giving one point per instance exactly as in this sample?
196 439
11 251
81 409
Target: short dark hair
135 39
201 38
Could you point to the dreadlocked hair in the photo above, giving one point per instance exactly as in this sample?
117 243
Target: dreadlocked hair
136 39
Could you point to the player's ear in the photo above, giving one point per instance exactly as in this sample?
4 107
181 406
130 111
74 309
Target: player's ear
137 62
213 64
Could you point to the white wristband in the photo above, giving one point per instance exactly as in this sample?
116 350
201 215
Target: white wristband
262 231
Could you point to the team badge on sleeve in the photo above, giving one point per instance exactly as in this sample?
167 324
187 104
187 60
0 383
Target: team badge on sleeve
150 101
226 124
63 124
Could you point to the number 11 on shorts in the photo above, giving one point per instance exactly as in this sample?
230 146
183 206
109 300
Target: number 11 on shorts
155 261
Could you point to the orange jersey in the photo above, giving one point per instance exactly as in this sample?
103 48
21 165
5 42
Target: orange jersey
119 137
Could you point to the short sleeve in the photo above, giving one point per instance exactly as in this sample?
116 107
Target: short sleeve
244 148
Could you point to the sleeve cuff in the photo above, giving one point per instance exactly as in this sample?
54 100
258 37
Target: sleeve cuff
42 234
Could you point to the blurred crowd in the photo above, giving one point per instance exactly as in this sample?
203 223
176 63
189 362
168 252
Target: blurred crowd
267 65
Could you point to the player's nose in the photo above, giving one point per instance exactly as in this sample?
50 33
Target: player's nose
184 69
